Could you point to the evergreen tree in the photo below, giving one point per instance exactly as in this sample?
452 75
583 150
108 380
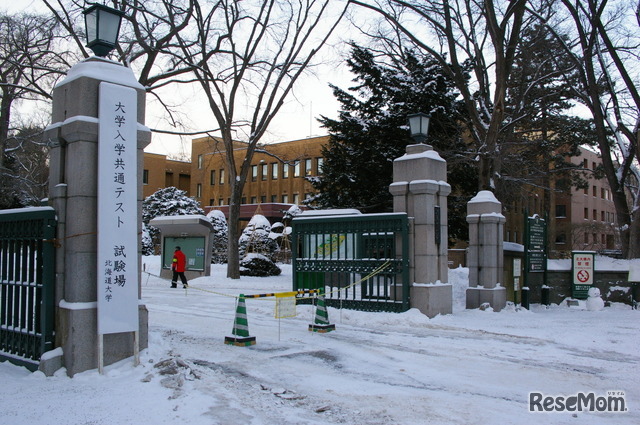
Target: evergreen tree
371 132
543 135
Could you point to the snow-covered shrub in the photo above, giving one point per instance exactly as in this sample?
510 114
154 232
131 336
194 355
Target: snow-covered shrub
169 201
256 238
147 241
258 265
219 237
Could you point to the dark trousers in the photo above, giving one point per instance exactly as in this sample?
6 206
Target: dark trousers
183 278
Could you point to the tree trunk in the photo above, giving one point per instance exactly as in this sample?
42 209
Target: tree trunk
233 254
5 116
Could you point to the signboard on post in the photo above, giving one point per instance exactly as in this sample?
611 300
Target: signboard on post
535 244
117 210
582 267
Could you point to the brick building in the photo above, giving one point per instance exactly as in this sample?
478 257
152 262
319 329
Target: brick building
278 172
579 219
159 172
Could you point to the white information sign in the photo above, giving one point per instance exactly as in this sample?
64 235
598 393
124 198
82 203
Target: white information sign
285 305
117 210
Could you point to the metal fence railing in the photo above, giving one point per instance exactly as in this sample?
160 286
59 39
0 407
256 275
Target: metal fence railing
27 279
359 261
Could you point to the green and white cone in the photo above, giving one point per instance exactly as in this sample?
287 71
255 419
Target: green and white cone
240 327
322 318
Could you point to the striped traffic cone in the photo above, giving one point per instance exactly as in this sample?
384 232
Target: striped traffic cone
322 318
240 330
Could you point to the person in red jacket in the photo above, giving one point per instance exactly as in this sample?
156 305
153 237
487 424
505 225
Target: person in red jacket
178 266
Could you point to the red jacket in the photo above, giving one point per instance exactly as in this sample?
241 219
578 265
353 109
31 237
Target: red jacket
179 261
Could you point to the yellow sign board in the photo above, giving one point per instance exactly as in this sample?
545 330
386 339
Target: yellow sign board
285 305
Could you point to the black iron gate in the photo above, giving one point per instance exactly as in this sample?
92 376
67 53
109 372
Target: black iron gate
27 279
360 262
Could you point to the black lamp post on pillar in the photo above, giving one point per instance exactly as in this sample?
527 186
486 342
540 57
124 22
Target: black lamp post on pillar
102 25
419 126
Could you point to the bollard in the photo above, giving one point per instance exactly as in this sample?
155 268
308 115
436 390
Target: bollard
545 296
525 298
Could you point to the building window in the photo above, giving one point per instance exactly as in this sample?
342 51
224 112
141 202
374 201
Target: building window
254 199
221 174
212 179
319 165
285 199
561 238
285 171
296 199
296 169
265 171
199 190
307 167
145 176
561 211
594 191
595 215
585 164
220 201
602 216
200 162
254 173
243 200
274 171
263 199
586 213
274 199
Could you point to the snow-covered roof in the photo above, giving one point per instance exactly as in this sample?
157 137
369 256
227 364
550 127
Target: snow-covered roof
332 212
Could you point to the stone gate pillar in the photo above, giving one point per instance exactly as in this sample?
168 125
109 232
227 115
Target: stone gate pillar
485 256
420 189
73 191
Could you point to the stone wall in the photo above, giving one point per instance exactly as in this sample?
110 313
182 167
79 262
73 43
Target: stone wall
613 286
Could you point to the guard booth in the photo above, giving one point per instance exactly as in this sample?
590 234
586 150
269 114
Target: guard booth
192 233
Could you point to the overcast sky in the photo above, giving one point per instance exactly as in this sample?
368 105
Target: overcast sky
311 98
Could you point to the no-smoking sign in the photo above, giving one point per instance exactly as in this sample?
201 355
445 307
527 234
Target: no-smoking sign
583 276
582 266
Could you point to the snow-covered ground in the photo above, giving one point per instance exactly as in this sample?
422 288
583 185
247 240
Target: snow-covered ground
471 367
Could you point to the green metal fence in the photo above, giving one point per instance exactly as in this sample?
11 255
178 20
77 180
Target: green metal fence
27 276
360 262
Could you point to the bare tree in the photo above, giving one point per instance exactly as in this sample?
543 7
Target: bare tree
605 57
247 57
147 41
29 66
